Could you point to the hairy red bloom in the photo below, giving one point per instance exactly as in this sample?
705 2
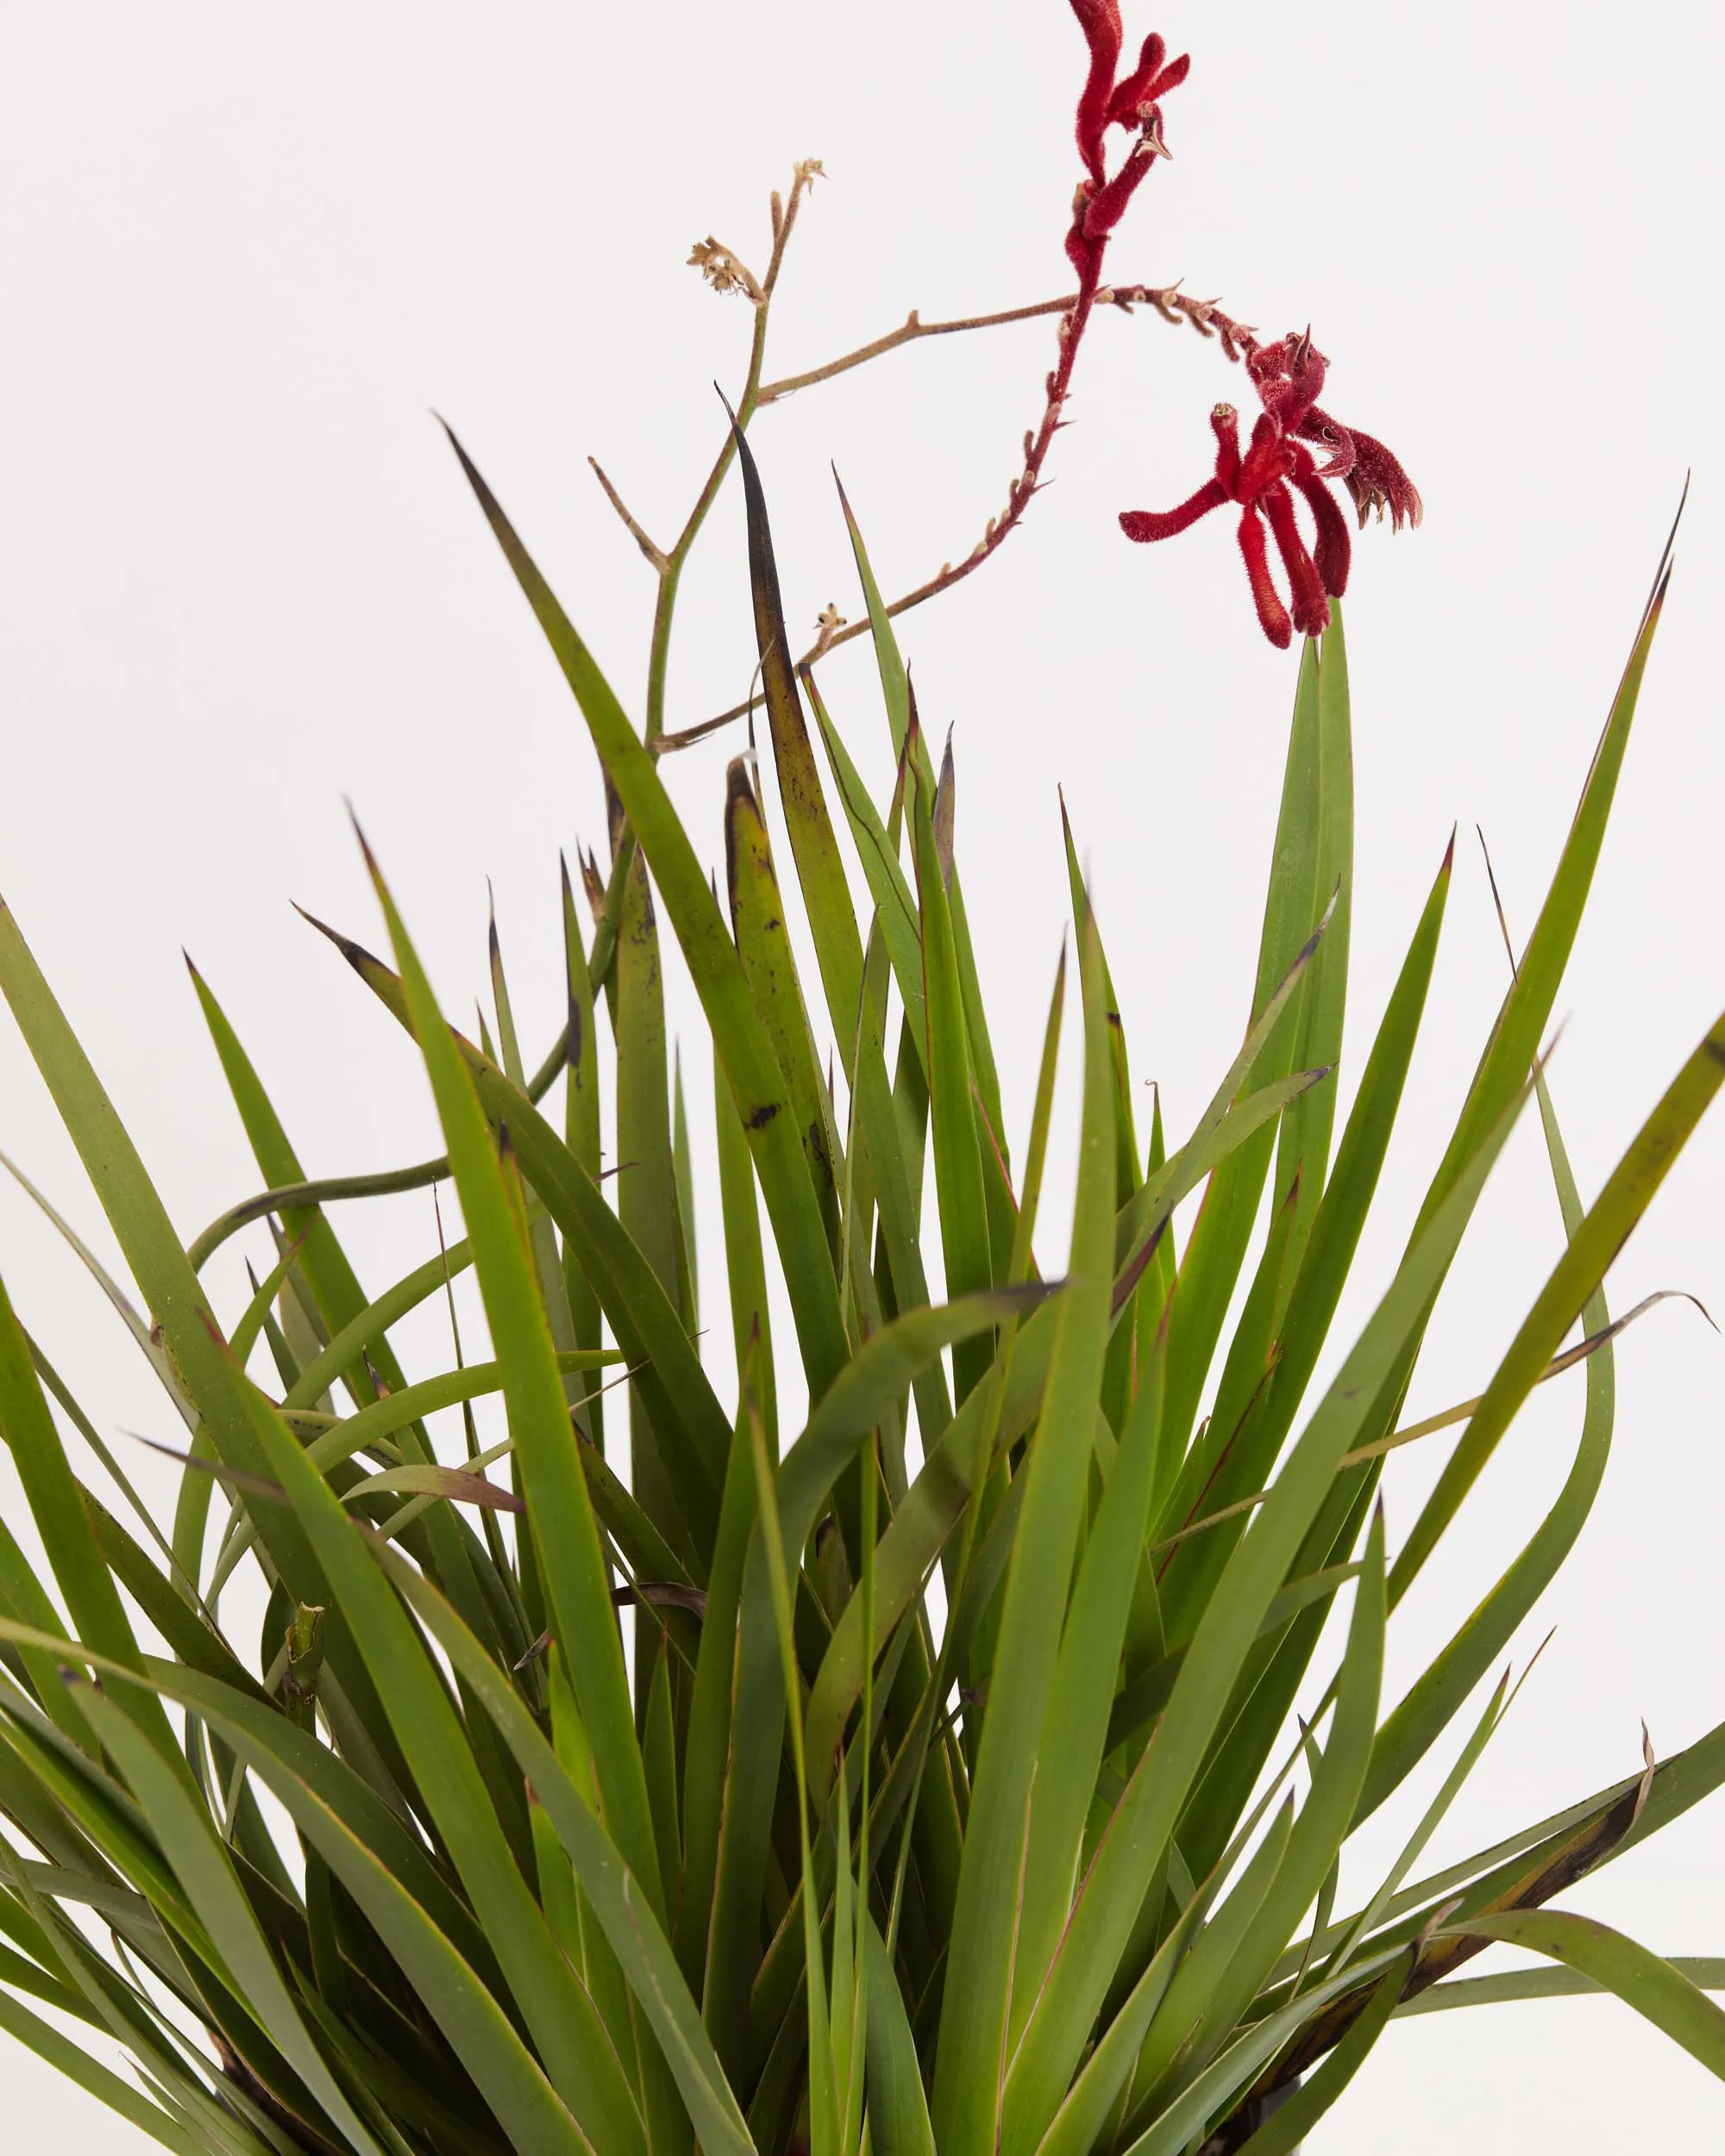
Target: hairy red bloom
1288 377
1111 99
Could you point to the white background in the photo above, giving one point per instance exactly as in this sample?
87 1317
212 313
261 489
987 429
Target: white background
243 253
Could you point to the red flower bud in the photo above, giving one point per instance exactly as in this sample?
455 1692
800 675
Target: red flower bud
1109 100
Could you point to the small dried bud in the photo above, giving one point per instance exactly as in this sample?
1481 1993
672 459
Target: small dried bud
810 170
827 623
722 269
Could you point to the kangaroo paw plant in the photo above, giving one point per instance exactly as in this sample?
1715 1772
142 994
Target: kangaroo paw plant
959 1761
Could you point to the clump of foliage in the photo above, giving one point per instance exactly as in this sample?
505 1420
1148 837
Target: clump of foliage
961 1765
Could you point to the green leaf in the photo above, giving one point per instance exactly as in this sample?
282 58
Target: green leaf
1705 1972
763 944
899 2122
581 2064
1629 1191
957 1155
1439 1691
581 1135
1306 847
1146 1814
737 1033
1283 2132
980 1973
206 1872
566 1533
68 2057
821 871
1661 1994
614 1891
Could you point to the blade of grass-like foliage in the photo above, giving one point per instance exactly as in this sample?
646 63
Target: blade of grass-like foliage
744 1263
1526 1008
419 1920
333 1441
154 1352
1196 1981
567 1533
763 944
707 1745
936 1501
647 1190
1303 1141
207 1875
546 1258
683 1161
1223 1478
1138 1704
334 1284
1432 1426
581 1133
822 2095
868 1386
899 2122
1142 1822
306 1191
712 963
966 2106
1439 1691
957 1155
1661 1993
894 681
361 1334
1322 1825
1042 1115
1211 2095
1705 1972
1495 1709
901 703
1139 1219
1212 1260
1628 1192
69 2057
57 1507
579 2057
61 1393
1074 1732
1347 1196
615 1893
650 1331
170 1288
820 872
1283 2132
889 886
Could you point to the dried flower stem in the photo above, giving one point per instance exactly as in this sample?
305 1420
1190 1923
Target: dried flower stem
654 554
670 566
1236 339
1204 314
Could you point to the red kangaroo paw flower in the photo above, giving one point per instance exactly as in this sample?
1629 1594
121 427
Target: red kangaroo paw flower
1099 20
1311 609
1334 549
1272 615
1288 376
1377 481
1145 524
1109 100
1148 82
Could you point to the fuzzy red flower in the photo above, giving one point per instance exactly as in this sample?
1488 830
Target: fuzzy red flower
1111 99
1276 465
